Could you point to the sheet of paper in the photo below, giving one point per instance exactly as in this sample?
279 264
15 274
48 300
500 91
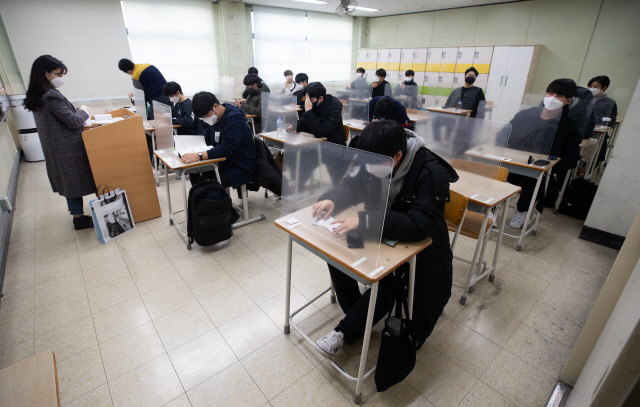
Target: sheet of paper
327 225
291 221
190 144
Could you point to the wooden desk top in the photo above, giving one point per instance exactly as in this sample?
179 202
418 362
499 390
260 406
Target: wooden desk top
439 109
251 116
584 142
483 190
356 124
600 129
292 139
30 382
510 156
335 247
171 160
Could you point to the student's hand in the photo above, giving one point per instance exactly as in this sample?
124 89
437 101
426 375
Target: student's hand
190 158
130 94
290 129
375 84
307 104
237 103
346 225
289 80
326 206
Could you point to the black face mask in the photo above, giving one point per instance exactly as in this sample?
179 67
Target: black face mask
469 79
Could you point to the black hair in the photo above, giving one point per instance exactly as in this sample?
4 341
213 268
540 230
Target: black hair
381 73
471 69
410 73
171 88
301 77
125 65
250 79
316 90
563 87
253 70
202 103
288 72
384 137
38 82
385 109
360 70
601 79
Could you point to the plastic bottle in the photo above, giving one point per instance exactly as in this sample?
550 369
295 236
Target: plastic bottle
279 127
459 108
605 121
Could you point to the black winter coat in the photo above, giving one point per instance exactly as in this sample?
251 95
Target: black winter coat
326 121
416 213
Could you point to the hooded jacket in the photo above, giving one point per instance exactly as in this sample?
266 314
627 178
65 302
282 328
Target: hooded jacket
325 120
148 78
416 212
235 143
401 111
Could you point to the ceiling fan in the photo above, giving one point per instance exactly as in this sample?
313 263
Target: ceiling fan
346 7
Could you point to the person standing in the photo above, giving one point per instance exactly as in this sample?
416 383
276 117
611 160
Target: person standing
147 78
59 126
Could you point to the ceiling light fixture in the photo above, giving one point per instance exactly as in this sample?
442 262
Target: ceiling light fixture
363 8
319 2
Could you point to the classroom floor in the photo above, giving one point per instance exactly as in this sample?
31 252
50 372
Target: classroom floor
141 321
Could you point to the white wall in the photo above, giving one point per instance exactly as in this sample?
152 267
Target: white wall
88 36
618 198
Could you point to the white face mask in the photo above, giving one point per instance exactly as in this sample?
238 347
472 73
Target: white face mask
289 78
376 79
552 103
359 74
594 91
174 99
57 82
379 170
408 79
210 120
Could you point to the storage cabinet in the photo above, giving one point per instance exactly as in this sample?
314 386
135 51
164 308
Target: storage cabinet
406 59
383 59
372 58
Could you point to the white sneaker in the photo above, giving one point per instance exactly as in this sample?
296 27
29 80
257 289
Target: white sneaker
518 219
492 216
330 344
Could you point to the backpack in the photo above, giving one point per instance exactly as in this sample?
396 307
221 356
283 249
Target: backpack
268 174
578 198
210 214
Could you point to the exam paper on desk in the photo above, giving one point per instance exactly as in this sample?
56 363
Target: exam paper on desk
190 144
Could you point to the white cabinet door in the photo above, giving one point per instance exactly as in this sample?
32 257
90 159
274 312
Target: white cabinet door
383 59
361 59
372 58
406 59
434 56
498 71
419 63
482 59
458 80
394 59
449 58
465 59
516 75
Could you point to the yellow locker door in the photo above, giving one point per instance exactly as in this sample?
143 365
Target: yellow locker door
419 60
361 59
465 59
406 59
394 59
448 61
372 58
383 59
482 59
434 56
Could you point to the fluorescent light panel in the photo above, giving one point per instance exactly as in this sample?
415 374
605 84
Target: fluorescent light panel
312 1
363 8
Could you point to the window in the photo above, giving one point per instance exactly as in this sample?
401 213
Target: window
329 50
177 36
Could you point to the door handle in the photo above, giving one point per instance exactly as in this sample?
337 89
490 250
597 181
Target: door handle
505 81
501 78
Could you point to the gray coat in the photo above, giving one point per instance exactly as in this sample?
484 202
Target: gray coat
60 130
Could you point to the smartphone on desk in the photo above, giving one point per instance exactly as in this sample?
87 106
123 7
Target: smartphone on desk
354 240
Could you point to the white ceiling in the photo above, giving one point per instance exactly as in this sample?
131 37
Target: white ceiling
387 7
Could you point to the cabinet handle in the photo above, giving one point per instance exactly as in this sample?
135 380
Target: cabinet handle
505 81
501 78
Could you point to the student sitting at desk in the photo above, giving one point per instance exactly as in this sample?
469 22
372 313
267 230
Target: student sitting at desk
408 88
230 137
360 82
289 87
470 95
415 210
532 130
380 87
322 116
254 71
302 81
182 111
604 107
253 105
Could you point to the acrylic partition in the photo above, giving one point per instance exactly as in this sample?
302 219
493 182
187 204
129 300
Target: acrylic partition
164 125
357 109
407 95
106 105
327 186
223 89
140 104
276 107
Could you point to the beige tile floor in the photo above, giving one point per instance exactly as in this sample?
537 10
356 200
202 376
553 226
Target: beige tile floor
141 321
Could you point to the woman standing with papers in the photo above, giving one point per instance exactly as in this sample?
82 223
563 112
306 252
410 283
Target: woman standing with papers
59 126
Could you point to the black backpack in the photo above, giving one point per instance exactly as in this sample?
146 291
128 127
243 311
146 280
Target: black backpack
578 198
210 214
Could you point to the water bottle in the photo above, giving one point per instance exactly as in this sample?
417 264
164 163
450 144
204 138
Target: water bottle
459 108
605 122
279 127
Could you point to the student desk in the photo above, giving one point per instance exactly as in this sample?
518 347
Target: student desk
516 162
438 109
353 126
592 164
319 242
32 382
151 129
172 162
483 193
614 135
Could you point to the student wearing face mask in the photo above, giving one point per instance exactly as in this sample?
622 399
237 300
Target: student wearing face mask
323 115
470 95
380 87
360 82
59 127
539 130
408 88
302 81
604 107
416 201
229 136
263 86
253 104
182 111
289 87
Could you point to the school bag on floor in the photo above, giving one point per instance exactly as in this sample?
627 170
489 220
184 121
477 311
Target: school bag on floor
578 198
210 214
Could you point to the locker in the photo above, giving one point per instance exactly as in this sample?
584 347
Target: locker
406 59
445 84
372 58
419 59
369 74
419 79
394 59
482 59
458 80
361 58
394 77
481 82
430 83
448 61
383 59
465 59
434 56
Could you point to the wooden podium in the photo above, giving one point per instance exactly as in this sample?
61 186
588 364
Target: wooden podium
119 158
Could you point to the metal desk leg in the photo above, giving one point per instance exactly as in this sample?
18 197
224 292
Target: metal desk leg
476 255
530 211
333 293
561 194
245 210
534 229
492 276
287 305
412 283
166 177
365 345
184 197
155 159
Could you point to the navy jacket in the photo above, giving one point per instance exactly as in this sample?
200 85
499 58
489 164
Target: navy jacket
235 144
152 82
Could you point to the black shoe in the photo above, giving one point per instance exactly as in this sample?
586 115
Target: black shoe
82 222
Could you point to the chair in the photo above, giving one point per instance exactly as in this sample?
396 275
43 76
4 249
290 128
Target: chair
486 170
